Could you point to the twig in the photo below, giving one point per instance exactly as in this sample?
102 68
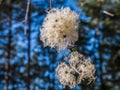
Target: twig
111 14
50 7
26 16
50 4
108 13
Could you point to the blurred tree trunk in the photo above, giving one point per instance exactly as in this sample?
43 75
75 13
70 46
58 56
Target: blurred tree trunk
7 66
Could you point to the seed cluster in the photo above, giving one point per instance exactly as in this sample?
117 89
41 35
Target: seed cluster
78 70
59 30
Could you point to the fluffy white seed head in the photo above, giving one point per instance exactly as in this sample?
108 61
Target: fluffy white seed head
82 66
66 75
59 28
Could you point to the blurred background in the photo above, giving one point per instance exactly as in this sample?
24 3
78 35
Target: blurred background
26 65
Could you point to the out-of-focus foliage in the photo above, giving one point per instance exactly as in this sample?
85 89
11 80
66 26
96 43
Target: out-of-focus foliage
105 30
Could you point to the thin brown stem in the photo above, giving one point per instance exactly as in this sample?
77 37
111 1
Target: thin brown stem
26 16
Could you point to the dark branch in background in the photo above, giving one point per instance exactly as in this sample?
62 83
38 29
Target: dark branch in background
7 67
26 15
100 67
29 35
27 19
27 23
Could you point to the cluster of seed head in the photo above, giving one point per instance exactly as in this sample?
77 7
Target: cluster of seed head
59 29
79 69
